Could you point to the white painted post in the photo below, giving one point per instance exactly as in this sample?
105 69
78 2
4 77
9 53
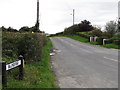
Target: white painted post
91 39
95 38
104 41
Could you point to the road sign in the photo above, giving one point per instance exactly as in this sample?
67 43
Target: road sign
13 65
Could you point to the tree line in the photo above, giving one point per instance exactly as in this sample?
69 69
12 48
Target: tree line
112 28
22 29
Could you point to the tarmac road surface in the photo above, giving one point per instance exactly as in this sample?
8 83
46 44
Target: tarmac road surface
81 65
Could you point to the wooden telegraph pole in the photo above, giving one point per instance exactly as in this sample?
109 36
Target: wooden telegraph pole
37 22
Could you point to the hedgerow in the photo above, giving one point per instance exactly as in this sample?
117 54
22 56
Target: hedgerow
27 44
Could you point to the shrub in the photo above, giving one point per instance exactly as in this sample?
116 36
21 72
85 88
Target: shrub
117 42
83 35
108 41
100 40
27 44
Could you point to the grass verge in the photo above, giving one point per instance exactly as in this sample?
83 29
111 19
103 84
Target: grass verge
37 74
78 38
85 40
111 46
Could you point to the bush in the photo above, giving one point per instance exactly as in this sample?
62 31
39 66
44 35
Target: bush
27 44
83 35
117 42
108 41
100 40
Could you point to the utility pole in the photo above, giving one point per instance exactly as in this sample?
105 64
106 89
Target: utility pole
37 22
73 16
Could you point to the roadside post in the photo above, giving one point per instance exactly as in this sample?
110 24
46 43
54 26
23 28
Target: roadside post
4 78
104 41
8 66
21 71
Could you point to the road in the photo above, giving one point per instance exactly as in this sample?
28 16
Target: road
81 65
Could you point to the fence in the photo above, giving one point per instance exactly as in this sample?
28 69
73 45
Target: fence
8 66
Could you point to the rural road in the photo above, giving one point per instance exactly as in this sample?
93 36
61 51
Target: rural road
81 65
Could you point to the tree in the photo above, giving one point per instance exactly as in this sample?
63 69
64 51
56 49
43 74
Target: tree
72 29
10 29
24 29
111 28
4 29
96 31
85 26
34 29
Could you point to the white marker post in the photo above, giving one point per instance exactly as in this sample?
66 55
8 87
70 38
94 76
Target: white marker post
104 41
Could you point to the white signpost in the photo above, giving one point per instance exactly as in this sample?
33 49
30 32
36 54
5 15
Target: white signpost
13 65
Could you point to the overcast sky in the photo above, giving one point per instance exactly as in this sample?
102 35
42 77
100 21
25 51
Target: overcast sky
55 15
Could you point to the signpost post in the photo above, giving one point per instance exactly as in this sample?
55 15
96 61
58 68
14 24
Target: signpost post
21 71
4 78
5 67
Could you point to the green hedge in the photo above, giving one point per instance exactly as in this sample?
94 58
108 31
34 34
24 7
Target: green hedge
100 40
27 44
115 40
83 35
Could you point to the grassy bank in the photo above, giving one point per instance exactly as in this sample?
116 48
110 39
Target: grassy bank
111 46
37 74
85 40
75 37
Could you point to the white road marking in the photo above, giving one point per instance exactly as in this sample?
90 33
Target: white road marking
111 59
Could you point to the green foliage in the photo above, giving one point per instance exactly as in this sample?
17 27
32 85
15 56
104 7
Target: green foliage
24 29
117 34
111 28
111 46
115 40
96 32
83 35
84 26
76 37
119 25
37 74
29 29
94 43
71 30
27 44
100 40
10 29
